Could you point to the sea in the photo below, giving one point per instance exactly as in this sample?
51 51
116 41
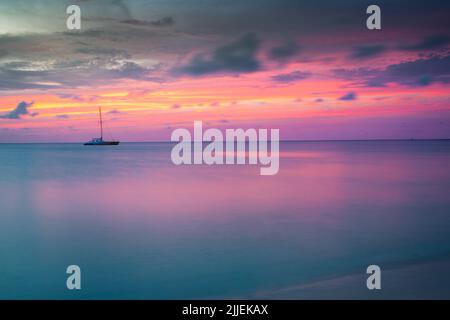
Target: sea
140 227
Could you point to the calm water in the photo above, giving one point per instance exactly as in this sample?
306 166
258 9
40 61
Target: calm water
140 227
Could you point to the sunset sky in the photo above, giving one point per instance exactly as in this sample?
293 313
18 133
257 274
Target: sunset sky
309 68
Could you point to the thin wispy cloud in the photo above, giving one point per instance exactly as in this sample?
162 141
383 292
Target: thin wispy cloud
291 76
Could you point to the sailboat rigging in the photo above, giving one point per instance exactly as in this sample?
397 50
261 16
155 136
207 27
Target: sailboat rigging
100 141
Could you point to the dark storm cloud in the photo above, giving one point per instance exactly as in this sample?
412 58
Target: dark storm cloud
421 72
112 40
368 51
288 18
115 6
431 42
284 51
291 77
98 34
19 111
348 97
103 51
283 18
26 44
120 34
12 77
121 5
164 22
237 57
3 53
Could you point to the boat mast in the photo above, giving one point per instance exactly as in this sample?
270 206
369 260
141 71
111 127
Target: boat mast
101 122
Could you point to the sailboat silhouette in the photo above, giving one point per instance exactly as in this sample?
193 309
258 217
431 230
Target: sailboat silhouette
100 141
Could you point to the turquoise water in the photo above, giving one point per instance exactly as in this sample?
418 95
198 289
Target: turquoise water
140 227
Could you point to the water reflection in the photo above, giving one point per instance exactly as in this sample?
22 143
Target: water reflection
141 227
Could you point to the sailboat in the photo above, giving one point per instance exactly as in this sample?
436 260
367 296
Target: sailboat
100 141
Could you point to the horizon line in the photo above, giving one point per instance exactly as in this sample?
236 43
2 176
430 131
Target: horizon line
295 140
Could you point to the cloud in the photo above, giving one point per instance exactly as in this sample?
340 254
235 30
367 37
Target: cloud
291 77
114 111
239 56
285 51
368 51
121 5
102 51
24 75
429 43
112 35
62 116
70 73
70 96
164 22
19 111
421 72
111 6
348 97
176 106
3 53
130 69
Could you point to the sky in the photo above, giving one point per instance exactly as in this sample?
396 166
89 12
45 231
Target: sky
309 68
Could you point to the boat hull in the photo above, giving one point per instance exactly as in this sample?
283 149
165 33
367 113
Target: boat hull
103 143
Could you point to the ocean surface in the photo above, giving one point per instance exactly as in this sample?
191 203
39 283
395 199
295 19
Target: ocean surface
140 227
